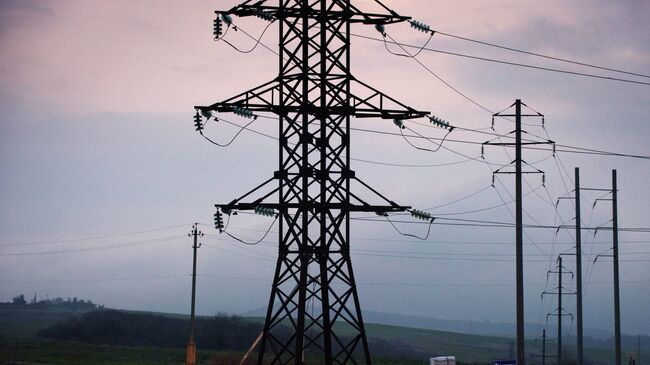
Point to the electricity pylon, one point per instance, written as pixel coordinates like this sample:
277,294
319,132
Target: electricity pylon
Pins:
315,96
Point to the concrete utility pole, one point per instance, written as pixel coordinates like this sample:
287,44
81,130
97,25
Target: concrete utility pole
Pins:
614,255
519,233
559,315
190,354
544,347
578,254
638,349
521,354
543,354
559,311
617,298
578,267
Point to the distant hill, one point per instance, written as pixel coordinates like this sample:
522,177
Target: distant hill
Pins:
486,328
482,328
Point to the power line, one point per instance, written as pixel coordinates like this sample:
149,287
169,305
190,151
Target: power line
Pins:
443,81
409,234
95,248
240,254
256,242
504,203
232,139
542,55
435,256
572,149
486,59
481,258
377,239
124,278
460,199
439,145
178,276
92,238
496,224
509,63
360,159
414,165
257,40
580,150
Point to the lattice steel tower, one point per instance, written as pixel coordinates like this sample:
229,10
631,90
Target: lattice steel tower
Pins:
315,95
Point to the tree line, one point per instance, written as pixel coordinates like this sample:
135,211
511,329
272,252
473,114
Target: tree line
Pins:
112,327
220,332
71,304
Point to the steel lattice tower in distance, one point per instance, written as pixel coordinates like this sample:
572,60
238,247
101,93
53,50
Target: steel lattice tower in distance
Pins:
315,95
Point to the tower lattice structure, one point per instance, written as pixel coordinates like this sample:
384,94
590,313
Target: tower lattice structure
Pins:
315,96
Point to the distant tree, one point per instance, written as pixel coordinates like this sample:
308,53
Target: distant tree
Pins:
42,304
19,300
74,304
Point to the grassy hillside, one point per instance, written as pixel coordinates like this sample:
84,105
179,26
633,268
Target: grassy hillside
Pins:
468,348
27,322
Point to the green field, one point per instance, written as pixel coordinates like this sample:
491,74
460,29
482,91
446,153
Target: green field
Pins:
33,350
75,353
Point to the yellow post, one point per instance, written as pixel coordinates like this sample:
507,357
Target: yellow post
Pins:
190,353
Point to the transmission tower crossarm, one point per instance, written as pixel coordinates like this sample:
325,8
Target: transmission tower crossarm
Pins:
514,115
349,208
562,315
261,99
392,207
352,15
557,293
522,143
361,206
374,103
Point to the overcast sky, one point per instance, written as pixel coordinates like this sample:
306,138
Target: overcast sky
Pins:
97,141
